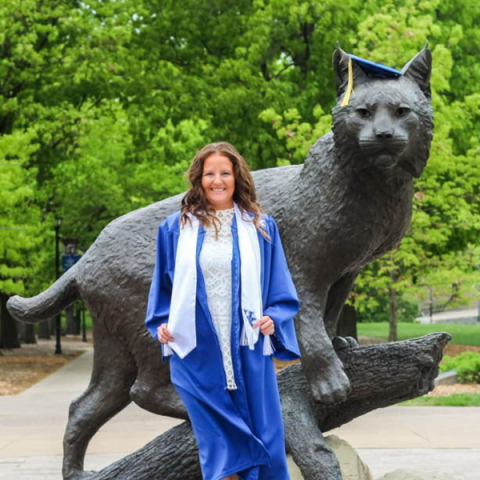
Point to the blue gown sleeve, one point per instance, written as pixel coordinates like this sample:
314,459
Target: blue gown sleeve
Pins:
158,307
282,300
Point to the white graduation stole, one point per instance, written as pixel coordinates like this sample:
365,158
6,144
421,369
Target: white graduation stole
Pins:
181,321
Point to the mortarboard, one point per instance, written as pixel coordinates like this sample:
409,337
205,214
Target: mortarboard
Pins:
371,69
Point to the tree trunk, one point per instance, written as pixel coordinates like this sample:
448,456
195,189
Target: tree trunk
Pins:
51,325
392,296
8,325
380,375
78,318
28,334
73,319
44,330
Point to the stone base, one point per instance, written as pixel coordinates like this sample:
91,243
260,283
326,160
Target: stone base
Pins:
353,468
405,474
351,464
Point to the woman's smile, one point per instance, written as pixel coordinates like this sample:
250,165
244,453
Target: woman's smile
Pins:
218,181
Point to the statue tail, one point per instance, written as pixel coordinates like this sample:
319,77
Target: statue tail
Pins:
47,304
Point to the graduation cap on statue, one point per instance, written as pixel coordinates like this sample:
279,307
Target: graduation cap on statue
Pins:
371,69
351,69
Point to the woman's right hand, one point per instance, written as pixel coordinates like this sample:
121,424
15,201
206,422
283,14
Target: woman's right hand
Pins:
163,334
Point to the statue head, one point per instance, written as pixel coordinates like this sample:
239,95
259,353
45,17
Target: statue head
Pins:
387,123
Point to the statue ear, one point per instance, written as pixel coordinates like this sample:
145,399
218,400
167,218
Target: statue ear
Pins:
340,70
419,69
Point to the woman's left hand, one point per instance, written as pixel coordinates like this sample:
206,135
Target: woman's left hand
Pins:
266,324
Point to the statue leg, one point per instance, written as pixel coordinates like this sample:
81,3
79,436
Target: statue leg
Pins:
320,363
337,295
152,395
114,372
305,441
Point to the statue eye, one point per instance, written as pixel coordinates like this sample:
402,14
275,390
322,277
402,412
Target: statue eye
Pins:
402,111
363,112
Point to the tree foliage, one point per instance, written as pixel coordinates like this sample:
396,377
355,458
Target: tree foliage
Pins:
104,104
446,220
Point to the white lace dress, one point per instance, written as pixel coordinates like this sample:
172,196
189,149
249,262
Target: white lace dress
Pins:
215,261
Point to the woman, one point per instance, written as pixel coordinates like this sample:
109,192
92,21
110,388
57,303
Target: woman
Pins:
221,301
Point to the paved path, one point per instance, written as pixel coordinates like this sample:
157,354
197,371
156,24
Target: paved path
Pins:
445,439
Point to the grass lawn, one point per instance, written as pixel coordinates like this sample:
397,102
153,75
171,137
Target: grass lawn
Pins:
461,334
455,400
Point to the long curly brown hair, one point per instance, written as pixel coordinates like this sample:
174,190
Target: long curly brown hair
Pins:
245,195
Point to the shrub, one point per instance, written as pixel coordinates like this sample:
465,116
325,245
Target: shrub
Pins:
467,366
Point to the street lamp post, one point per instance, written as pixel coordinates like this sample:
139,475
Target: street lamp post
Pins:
58,223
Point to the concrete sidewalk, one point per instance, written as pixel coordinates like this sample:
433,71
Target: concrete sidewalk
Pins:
443,439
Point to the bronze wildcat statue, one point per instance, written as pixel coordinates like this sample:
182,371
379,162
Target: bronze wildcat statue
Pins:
350,203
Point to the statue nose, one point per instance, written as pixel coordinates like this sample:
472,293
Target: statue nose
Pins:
384,133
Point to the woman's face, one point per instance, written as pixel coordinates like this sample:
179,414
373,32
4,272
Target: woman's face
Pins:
218,181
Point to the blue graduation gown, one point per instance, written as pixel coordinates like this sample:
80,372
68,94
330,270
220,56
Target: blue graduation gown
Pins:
237,431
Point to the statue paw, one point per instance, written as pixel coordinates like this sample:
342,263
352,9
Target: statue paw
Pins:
79,474
352,341
341,343
331,385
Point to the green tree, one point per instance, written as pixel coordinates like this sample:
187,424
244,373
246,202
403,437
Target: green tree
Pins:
120,95
446,217
446,204
19,225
